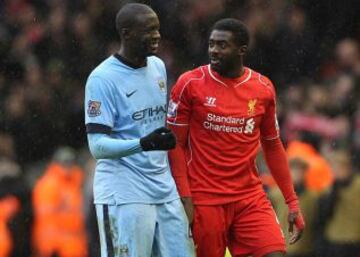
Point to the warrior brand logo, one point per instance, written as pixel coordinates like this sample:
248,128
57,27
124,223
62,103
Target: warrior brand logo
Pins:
210,101
152,112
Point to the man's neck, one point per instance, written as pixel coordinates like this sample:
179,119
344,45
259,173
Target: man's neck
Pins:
234,73
132,58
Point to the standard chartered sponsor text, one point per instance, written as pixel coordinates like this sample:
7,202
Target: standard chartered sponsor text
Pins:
224,119
228,123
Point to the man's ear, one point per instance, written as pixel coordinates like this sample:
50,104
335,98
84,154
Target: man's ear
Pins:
243,50
125,33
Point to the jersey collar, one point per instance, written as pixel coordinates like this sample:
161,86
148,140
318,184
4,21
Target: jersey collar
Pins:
127,62
230,82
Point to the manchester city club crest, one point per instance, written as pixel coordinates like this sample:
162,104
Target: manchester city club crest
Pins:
162,85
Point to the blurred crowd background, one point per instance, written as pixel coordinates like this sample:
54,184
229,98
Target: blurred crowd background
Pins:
310,50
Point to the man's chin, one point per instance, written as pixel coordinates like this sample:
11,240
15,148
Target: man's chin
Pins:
152,51
216,68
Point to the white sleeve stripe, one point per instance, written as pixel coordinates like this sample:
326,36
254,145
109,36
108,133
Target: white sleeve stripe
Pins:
177,124
248,77
214,78
191,155
270,138
261,81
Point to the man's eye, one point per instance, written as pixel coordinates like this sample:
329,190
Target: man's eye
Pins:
223,45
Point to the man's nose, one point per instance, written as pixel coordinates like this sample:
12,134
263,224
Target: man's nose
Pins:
214,49
156,35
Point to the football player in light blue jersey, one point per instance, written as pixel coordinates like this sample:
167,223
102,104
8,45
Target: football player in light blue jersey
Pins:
138,208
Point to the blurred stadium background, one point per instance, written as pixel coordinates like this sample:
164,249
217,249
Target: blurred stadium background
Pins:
310,49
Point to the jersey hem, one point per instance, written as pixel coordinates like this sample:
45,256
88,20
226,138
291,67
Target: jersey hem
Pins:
114,202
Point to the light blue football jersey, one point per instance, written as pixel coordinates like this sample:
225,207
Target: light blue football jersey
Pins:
132,102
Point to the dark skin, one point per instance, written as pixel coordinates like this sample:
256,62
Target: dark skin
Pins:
226,58
141,39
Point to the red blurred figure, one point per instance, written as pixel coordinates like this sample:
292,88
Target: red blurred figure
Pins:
59,224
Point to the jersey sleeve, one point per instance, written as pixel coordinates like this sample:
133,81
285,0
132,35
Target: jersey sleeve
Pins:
99,106
269,125
179,108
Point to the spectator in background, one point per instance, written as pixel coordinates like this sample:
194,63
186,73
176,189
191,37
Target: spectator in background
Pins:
15,212
338,221
308,203
15,204
59,223
318,175
295,34
348,56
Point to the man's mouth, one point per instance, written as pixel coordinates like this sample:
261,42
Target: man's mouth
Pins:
154,45
215,61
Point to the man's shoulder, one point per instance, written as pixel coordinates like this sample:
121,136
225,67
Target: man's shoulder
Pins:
263,83
192,75
259,77
155,59
107,72
103,69
157,62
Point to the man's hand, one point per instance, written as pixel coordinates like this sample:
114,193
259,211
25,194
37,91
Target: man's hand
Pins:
189,208
296,223
160,139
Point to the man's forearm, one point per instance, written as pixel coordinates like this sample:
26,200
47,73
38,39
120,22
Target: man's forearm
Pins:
102,146
276,160
178,161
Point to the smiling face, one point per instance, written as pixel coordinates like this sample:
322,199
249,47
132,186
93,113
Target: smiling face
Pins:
144,36
225,55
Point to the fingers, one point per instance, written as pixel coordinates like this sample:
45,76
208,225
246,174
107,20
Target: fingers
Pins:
299,222
295,236
296,227
160,139
291,220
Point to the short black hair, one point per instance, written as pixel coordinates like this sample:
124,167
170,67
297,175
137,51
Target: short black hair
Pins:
126,16
238,28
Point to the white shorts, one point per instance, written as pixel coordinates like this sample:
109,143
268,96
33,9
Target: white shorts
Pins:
144,230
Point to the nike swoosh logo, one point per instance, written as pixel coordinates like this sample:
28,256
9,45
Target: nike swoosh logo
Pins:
131,93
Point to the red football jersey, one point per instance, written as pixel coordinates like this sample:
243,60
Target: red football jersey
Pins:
226,119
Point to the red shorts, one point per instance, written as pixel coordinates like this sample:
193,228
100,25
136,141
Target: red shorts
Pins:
248,228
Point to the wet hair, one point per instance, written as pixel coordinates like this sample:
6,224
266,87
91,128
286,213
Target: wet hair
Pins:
236,27
126,16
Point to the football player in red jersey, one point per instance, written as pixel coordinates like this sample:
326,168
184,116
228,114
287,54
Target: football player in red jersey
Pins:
221,113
